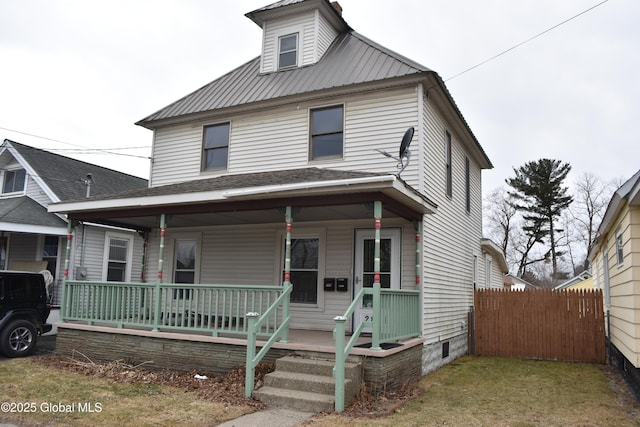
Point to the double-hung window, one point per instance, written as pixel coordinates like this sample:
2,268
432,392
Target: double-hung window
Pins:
117,259
185,265
327,132
14,181
288,51
619,247
215,146
448,171
304,270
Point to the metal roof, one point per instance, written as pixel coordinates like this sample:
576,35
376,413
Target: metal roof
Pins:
64,175
352,59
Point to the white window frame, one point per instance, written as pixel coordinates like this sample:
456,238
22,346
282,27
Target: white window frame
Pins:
619,247
306,233
281,36
108,235
186,236
4,178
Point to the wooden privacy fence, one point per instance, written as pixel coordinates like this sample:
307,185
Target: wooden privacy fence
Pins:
540,324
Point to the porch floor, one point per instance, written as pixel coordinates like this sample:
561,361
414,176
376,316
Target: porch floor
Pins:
299,339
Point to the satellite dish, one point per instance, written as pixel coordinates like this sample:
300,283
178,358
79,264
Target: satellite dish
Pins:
405,153
406,140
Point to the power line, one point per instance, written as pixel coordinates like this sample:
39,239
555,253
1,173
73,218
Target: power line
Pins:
81,149
526,41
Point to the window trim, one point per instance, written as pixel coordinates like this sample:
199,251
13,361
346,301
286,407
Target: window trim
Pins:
619,244
4,180
108,235
279,52
306,233
311,135
448,164
203,156
467,183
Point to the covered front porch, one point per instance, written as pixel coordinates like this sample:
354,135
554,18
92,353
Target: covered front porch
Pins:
284,247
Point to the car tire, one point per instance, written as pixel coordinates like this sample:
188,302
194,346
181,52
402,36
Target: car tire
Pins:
18,339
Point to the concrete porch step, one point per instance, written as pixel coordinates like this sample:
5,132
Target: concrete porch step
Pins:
307,384
303,401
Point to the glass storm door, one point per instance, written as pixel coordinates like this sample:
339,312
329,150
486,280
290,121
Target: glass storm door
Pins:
364,267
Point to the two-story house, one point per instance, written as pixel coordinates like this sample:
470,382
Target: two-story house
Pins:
615,259
271,174
33,239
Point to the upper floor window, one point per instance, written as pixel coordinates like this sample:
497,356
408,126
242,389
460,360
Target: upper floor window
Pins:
14,181
216,146
448,176
288,51
467,183
619,247
327,132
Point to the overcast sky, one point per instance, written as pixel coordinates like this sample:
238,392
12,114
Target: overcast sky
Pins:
82,72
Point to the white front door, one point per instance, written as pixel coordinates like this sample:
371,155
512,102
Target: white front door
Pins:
364,271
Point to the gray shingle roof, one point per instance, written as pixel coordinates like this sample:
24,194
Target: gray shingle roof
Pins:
228,182
24,210
63,175
367,62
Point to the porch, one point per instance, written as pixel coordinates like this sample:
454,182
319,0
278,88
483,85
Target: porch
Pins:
246,321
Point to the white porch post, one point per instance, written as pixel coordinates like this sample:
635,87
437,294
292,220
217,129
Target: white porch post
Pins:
287,270
375,335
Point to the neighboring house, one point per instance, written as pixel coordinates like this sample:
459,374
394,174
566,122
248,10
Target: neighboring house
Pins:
33,239
615,259
495,265
582,281
279,156
515,283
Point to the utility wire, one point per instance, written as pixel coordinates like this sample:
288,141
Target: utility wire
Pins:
81,149
526,41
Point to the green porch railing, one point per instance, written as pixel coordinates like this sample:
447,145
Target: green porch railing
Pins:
396,316
214,309
256,324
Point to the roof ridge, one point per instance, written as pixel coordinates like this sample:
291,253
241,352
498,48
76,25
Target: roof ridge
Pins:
20,146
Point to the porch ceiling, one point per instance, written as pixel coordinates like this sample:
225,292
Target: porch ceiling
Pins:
256,212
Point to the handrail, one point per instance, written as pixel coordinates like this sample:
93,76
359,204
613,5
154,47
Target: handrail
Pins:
396,315
255,323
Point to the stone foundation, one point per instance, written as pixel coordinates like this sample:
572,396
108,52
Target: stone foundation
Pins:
432,354
387,372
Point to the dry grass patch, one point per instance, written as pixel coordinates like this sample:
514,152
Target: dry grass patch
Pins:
483,391
117,395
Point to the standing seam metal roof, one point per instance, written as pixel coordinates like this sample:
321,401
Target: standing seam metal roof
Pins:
368,62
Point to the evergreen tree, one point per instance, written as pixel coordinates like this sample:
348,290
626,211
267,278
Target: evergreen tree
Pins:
539,193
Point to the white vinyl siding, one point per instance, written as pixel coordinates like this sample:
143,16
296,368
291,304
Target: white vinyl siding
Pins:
35,192
451,236
94,252
252,255
326,35
277,139
303,25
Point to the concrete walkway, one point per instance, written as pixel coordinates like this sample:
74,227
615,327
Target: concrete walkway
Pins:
269,417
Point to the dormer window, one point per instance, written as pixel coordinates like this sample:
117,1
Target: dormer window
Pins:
14,181
288,51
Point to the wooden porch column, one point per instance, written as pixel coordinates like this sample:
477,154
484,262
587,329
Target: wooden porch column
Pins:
418,227
375,335
67,261
157,297
287,270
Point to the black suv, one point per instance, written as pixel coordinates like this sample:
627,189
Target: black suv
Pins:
24,308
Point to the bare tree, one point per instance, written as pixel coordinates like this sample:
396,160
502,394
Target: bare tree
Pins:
500,217
591,198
